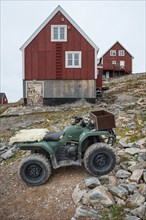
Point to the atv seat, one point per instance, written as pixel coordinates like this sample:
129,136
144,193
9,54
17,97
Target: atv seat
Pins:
55,136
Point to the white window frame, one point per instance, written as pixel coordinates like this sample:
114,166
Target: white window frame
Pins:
73,53
114,62
121,53
52,33
122,63
113,53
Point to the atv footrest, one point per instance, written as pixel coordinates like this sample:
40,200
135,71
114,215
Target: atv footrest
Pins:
63,163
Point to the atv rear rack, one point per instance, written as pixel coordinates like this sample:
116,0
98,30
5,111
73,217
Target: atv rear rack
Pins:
103,120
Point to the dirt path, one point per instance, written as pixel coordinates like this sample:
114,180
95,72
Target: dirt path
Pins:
51,201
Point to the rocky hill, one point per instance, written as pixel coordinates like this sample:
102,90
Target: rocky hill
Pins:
72,193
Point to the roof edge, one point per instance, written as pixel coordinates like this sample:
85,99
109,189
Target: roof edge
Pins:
58,8
113,45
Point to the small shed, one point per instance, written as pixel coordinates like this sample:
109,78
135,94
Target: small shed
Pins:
3,98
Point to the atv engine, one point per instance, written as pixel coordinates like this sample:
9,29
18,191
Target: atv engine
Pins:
68,151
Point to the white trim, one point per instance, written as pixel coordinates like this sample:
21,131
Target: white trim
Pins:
65,33
73,53
31,81
100,67
121,53
23,65
121,46
113,53
122,63
59,8
96,71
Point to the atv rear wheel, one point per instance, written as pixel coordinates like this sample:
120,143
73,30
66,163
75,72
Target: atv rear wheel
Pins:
35,169
99,159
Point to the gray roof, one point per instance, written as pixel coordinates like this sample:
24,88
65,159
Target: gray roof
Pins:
2,94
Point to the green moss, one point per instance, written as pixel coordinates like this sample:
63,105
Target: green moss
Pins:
115,212
125,158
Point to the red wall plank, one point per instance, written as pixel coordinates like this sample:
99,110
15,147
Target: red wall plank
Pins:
34,65
28,65
42,40
42,65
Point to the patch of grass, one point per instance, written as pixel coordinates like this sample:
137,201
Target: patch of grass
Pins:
135,137
115,212
125,158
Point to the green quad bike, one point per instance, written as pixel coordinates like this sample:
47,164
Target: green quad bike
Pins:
88,142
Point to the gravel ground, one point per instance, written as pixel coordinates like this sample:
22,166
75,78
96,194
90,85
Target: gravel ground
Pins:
50,201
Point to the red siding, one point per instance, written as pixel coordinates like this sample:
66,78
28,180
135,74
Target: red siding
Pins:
40,54
3,100
99,79
107,60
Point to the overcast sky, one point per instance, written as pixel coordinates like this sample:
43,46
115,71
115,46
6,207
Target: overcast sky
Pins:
104,22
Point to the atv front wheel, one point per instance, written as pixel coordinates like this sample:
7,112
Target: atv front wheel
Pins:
99,159
35,169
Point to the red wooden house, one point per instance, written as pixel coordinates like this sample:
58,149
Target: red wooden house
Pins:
3,98
59,62
116,61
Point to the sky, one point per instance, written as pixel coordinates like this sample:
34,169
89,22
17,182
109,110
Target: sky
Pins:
105,22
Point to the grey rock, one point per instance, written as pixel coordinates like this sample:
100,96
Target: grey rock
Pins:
113,180
119,191
136,200
104,179
133,144
98,195
1,159
2,148
136,166
9,153
131,217
81,211
132,126
5,145
122,174
140,211
142,155
141,142
77,194
130,187
118,159
92,182
136,175
144,176
122,144
142,189
132,151
119,201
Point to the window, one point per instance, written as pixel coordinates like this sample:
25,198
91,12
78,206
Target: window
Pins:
112,52
122,64
58,33
114,62
73,59
121,52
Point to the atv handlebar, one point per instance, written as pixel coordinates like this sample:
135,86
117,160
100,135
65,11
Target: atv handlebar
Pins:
77,119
